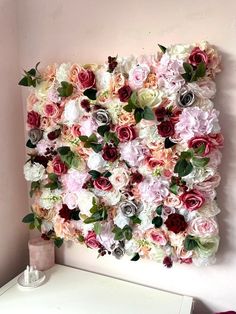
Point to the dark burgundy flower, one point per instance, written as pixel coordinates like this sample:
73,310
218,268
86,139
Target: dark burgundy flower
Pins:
44,236
136,177
85,104
167,261
197,56
166,129
86,78
54,134
103,184
112,63
125,133
176,223
109,153
192,199
33,119
59,167
124,93
160,113
65,212
42,160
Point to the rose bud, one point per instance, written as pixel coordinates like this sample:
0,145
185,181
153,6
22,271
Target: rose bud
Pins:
54,134
128,208
166,129
102,117
125,133
103,184
109,153
192,200
124,93
176,223
197,56
33,119
35,135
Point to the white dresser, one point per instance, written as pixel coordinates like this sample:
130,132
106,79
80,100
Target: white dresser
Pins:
73,291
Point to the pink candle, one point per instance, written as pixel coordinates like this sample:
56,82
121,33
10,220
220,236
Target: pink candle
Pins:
41,253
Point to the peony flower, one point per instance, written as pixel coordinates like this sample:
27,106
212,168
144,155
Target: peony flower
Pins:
137,75
154,190
71,112
95,161
85,201
62,72
33,119
106,237
203,227
71,200
103,79
125,133
119,178
34,171
195,122
87,125
176,223
132,152
156,236
192,199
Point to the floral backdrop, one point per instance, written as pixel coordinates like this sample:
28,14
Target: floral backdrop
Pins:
123,156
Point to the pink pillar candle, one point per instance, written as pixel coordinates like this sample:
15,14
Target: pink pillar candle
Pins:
41,253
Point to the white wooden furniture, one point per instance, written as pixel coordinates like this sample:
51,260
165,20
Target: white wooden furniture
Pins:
73,291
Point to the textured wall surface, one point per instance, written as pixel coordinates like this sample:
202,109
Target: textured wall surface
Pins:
13,197
90,30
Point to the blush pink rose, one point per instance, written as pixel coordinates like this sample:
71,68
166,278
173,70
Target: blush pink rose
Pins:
75,130
157,236
137,75
51,111
125,133
86,79
192,200
91,240
203,227
197,56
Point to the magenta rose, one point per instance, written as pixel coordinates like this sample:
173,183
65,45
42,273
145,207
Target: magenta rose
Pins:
103,184
166,129
197,56
198,141
124,93
125,133
59,167
192,200
91,240
109,153
86,78
176,223
33,119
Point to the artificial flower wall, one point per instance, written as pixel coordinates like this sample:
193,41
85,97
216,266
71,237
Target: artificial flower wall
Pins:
123,156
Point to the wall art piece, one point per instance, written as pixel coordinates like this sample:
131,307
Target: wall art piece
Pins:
123,156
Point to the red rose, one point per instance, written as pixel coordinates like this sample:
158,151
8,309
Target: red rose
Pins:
176,223
166,129
197,56
86,79
198,141
109,153
124,93
103,184
136,177
85,104
125,133
33,119
65,212
160,113
91,240
192,199
59,167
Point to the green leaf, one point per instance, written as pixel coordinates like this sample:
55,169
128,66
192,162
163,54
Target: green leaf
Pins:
148,114
201,70
24,81
92,138
186,154
157,221
200,150
52,185
80,238
65,90
188,68
96,147
106,174
159,209
83,138
138,114
35,185
64,150
103,129
29,218
118,233
190,243
135,258
168,143
58,242
200,162
135,219
31,72
94,174
29,144
52,177
111,137
90,93
75,215
128,234
133,99
163,49
187,77
174,188
183,167
97,227
128,108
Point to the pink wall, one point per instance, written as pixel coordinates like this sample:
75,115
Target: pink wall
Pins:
13,197
90,30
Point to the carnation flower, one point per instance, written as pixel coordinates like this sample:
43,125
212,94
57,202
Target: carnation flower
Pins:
154,190
34,171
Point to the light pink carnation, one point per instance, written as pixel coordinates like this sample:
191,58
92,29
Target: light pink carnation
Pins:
154,190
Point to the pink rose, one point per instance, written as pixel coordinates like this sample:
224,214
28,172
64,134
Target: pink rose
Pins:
103,184
217,140
198,141
125,133
197,56
33,119
51,111
137,75
91,240
59,167
86,79
157,236
75,130
203,227
192,199
153,162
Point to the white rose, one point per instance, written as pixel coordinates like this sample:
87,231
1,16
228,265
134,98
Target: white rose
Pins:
34,172
103,79
149,97
41,90
71,200
85,201
71,112
119,178
95,161
112,198
62,72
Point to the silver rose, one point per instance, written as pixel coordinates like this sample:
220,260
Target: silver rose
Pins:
185,98
128,208
118,251
102,117
35,135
